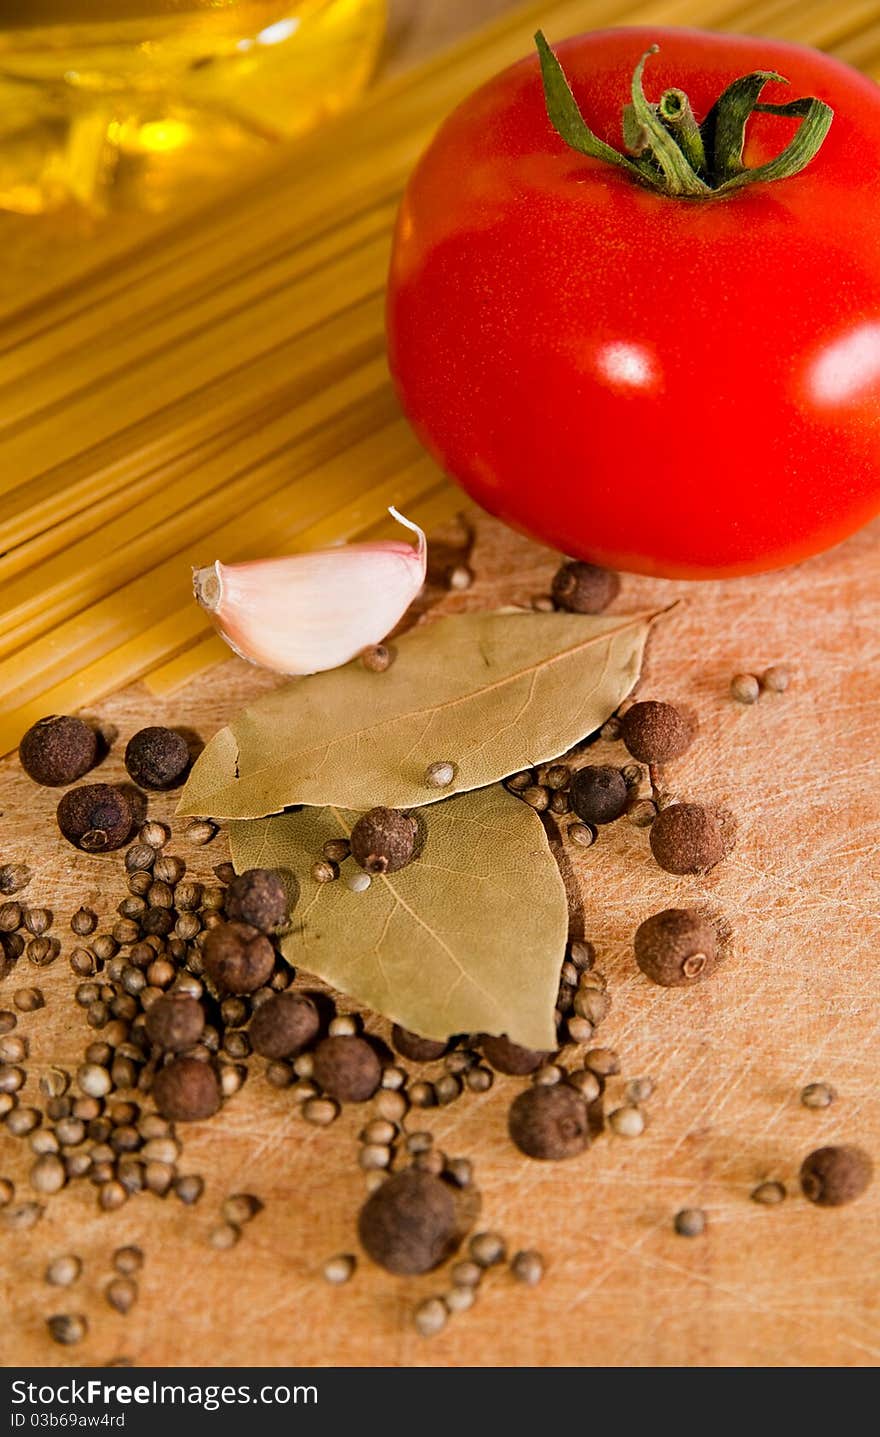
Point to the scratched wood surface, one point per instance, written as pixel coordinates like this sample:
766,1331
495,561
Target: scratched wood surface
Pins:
796,1001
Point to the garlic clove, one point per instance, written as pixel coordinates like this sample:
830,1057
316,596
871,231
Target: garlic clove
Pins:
305,613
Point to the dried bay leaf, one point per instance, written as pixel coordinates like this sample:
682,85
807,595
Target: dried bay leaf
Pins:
470,937
493,693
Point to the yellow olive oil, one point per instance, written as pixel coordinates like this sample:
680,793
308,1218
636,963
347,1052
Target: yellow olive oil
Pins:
128,103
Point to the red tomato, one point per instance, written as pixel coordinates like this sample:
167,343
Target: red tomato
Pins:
684,387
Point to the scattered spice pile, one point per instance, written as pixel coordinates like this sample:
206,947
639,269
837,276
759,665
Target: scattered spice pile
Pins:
193,988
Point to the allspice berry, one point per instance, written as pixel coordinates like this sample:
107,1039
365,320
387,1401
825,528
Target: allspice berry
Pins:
676,947
416,1048
656,732
836,1175
258,897
58,750
599,793
347,1068
584,588
157,758
283,1025
507,1057
186,1090
238,957
96,817
382,841
550,1122
409,1224
687,838
175,1021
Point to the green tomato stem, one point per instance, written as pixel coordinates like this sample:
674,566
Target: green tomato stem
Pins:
668,150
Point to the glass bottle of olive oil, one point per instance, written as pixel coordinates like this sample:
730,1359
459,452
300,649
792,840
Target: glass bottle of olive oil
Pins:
127,103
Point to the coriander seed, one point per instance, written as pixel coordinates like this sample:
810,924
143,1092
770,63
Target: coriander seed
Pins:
391,1105
320,1111
200,832
14,877
537,797
67,1328
83,922
768,1193
745,689
338,1270
582,834
58,750
336,850
7,1191
377,658
28,1000
775,679
11,915
460,1299
817,1095
189,1188
527,1267
690,1222
430,1317
224,1237
627,1122
586,1083
323,871
48,1174
466,1274
441,774
832,1176
63,1271
478,1079
518,782
487,1249
121,1293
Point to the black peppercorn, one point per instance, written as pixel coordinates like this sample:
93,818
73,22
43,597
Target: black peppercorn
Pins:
157,758
417,1049
238,957
96,817
283,1025
599,794
382,841
687,838
409,1224
175,1021
507,1057
656,732
58,750
186,1090
584,588
258,897
835,1175
347,1068
676,947
550,1122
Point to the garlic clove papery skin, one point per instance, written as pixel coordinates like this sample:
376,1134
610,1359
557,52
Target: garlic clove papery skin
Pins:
305,613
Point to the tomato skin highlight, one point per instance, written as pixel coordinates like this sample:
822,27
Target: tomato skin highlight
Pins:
681,387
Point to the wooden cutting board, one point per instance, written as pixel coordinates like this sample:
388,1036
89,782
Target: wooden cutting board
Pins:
795,1003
